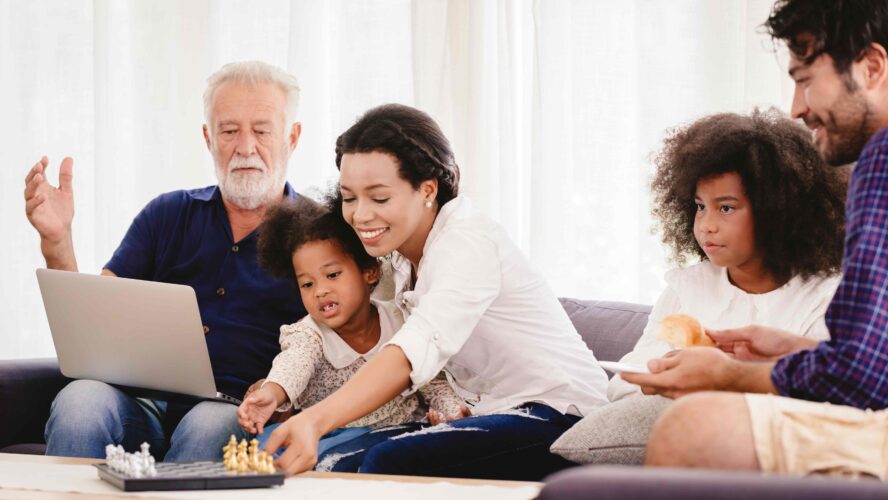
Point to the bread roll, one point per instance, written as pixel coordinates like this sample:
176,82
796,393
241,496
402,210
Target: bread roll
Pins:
681,330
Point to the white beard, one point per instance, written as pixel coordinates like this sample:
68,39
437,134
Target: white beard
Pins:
249,189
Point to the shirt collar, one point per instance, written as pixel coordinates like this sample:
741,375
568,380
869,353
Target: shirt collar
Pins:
208,193
453,209
339,353
764,302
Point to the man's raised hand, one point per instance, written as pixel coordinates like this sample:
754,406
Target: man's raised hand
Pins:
50,209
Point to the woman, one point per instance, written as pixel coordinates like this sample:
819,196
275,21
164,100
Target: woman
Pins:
474,307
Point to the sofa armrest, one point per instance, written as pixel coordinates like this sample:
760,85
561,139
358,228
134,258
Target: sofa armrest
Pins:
27,388
610,482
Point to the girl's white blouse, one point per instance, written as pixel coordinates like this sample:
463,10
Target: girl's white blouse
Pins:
705,292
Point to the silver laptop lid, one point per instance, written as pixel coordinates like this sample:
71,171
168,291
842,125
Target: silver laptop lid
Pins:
127,332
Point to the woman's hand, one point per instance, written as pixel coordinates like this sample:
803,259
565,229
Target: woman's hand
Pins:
437,417
300,434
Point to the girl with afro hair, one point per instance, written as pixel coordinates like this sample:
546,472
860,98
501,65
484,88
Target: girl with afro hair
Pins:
751,200
748,198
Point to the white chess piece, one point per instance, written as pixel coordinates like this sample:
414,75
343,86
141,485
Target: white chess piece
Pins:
143,457
116,457
138,464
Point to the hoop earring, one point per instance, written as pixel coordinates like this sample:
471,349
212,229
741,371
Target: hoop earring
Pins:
428,204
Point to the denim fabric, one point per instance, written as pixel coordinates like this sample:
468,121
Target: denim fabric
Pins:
348,456
329,440
509,445
88,415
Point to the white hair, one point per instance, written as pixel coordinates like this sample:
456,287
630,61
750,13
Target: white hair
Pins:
253,73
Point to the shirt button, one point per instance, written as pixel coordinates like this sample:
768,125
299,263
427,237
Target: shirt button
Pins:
220,291
206,329
235,249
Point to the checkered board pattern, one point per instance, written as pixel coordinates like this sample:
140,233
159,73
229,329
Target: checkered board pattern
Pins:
190,476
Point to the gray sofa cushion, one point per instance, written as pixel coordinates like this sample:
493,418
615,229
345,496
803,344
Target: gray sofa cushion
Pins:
616,433
610,329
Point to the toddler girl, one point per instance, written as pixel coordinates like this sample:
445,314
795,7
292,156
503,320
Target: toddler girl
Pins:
344,327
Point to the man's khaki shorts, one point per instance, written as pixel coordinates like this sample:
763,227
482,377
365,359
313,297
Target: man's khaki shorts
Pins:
800,437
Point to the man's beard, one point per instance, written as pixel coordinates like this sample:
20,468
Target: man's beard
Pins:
245,188
849,125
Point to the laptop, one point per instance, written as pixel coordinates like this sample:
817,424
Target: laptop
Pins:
144,336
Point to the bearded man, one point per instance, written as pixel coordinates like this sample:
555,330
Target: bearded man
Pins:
787,404
204,238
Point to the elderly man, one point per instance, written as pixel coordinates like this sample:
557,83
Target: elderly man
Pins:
809,407
204,238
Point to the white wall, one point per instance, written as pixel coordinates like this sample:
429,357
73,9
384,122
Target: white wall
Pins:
554,108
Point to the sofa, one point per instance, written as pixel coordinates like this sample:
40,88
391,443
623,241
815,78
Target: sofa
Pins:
610,329
27,388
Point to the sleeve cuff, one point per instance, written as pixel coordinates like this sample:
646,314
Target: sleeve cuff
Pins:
422,353
289,404
779,378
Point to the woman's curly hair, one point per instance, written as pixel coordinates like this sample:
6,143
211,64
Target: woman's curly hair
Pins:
797,199
291,224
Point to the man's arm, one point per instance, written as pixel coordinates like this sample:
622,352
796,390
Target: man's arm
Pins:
759,343
752,353
849,369
702,369
50,210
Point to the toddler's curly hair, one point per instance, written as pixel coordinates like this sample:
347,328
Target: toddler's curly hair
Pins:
291,224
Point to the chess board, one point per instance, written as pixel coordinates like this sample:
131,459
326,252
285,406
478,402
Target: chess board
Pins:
190,476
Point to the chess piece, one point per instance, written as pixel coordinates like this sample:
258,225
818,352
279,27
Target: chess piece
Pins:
136,465
231,447
242,457
229,454
252,454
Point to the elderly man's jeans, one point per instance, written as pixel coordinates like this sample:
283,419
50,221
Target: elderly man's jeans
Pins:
88,415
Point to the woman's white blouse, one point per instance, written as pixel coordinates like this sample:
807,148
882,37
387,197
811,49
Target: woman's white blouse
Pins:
481,313
705,292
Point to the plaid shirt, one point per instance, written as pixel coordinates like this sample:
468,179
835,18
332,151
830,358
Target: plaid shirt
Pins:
852,368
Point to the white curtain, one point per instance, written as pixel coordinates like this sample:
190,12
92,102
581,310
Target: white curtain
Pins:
554,108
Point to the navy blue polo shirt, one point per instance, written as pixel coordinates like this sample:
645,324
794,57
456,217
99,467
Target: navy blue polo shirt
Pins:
185,237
